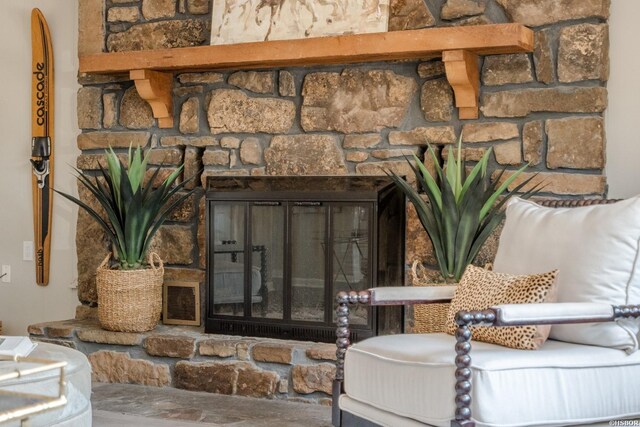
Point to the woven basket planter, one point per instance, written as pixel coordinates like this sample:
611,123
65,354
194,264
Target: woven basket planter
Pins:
428,318
130,300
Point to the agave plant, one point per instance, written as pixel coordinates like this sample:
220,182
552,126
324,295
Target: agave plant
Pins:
134,211
462,210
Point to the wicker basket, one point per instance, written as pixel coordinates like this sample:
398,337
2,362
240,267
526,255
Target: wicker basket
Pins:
130,300
428,318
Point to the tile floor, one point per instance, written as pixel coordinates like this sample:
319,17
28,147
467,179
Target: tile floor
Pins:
122,405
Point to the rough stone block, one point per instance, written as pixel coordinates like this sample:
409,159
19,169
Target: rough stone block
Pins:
361,140
251,151
409,15
322,352
185,211
85,312
116,367
233,111
175,244
508,153
198,7
541,12
159,35
218,348
436,100
272,352
356,156
431,69
91,26
253,382
94,161
577,143
170,346
135,112
103,140
155,9
532,142
193,141
521,102
210,377
109,118
200,78
454,9
543,57
355,100
190,116
388,154
101,336
166,156
506,69
90,108
583,53
304,155
229,142
123,14
192,166
423,136
562,184
286,84
254,81
485,132
400,167
213,157
311,378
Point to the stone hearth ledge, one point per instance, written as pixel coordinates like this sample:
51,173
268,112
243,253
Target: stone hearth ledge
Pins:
187,358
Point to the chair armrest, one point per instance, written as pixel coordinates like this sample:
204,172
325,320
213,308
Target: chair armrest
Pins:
398,295
407,295
552,313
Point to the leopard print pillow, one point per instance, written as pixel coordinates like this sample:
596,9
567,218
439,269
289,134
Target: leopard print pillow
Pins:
480,289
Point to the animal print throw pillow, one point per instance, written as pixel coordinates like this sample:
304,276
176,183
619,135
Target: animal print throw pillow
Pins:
480,289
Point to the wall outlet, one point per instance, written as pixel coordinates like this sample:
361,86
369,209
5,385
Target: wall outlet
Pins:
27,250
6,274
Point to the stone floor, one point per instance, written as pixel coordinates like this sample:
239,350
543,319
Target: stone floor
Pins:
121,405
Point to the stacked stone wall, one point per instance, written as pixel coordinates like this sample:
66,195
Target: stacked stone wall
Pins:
544,108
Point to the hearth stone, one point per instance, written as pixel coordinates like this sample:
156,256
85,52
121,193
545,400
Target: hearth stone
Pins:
169,356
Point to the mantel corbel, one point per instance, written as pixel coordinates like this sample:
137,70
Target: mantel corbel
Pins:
461,67
156,88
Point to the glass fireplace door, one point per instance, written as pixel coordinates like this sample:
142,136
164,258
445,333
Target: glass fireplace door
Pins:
350,252
228,233
308,269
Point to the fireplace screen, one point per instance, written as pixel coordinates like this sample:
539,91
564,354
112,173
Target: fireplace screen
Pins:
281,248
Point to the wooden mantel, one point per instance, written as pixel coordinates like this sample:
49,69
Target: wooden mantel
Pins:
458,46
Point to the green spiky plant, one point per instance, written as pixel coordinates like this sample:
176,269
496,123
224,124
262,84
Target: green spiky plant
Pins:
462,210
133,211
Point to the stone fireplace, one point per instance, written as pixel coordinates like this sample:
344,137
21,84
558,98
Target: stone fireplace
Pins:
544,108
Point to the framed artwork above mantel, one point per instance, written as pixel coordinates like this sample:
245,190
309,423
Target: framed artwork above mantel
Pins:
240,21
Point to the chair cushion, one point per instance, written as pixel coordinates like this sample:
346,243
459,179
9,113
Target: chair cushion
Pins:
595,249
479,289
560,384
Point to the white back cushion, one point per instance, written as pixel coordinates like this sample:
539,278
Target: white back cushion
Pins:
595,249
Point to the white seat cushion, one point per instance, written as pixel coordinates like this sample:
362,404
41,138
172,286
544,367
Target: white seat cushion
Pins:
595,250
561,384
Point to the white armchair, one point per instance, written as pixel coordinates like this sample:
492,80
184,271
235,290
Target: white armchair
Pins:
437,379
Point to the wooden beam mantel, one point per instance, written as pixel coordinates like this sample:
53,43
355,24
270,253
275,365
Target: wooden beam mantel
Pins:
447,42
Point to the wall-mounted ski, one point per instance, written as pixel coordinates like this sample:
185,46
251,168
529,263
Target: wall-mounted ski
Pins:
42,142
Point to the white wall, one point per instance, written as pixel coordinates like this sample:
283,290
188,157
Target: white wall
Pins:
22,302
623,114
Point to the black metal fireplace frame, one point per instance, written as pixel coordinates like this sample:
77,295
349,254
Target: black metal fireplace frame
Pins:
342,192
